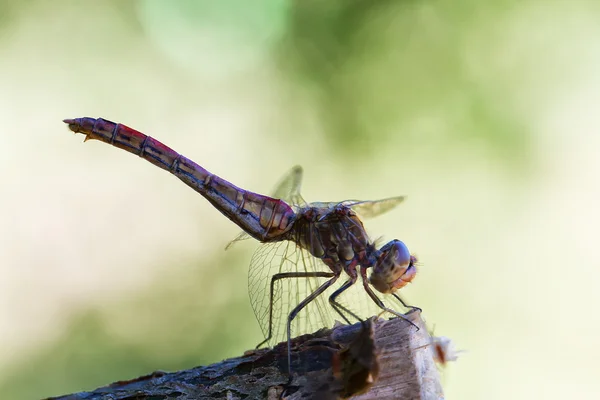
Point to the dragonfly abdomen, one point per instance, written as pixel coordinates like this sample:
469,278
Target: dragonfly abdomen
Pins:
263,217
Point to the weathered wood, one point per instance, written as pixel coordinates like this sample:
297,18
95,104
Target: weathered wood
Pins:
385,359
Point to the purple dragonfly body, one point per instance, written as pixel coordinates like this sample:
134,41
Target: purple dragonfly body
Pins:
306,247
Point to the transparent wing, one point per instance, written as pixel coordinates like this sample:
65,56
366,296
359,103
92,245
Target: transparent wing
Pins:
241,236
273,258
288,190
373,208
364,208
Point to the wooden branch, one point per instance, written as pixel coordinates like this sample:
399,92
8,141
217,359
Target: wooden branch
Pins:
381,359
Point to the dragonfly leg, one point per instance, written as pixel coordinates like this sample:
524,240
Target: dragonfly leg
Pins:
406,305
338,307
303,304
377,300
287,275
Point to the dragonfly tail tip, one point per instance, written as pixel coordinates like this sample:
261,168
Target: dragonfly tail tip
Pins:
73,124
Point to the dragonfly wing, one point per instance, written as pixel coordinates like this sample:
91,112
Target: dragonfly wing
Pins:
364,208
289,186
280,257
241,236
273,258
288,190
373,208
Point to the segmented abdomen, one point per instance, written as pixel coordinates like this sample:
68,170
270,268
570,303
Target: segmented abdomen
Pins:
263,217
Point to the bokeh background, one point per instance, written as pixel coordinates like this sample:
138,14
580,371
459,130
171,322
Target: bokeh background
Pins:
486,114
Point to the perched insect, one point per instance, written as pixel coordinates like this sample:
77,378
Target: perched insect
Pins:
306,247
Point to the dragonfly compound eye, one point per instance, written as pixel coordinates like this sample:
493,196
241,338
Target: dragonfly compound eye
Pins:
394,268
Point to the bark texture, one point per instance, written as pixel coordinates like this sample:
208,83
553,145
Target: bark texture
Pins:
378,359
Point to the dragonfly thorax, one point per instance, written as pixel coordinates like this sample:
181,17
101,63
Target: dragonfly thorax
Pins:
335,235
394,268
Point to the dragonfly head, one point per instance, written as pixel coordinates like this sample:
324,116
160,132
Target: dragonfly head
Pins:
394,268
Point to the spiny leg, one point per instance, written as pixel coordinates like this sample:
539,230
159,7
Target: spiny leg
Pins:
377,300
406,305
338,307
285,275
299,308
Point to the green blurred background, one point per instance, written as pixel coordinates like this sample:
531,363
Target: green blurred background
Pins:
484,113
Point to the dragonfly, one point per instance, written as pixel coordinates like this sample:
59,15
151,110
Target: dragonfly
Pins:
305,248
